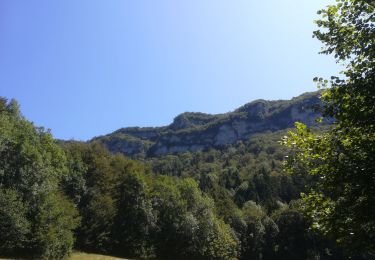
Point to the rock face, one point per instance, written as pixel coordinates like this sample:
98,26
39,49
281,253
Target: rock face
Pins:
199,131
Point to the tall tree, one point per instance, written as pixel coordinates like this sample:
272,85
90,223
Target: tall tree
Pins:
341,203
35,217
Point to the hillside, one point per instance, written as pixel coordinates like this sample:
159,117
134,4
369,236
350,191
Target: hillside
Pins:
234,202
198,131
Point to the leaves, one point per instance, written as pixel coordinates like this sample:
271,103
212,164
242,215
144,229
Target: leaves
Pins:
341,200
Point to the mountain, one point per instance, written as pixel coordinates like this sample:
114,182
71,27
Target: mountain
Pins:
199,131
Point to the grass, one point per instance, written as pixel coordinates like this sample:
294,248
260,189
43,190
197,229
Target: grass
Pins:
80,256
86,256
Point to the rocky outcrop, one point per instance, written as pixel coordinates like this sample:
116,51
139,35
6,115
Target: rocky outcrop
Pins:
199,131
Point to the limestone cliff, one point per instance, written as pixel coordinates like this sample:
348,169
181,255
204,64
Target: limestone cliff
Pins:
199,131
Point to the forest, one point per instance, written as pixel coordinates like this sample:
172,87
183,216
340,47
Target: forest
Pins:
217,204
298,193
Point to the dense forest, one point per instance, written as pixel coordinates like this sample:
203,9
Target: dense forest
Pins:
301,193
216,204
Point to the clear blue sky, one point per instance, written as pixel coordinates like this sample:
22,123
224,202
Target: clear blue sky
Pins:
88,67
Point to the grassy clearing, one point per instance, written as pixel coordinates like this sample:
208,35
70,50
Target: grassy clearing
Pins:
85,256
80,256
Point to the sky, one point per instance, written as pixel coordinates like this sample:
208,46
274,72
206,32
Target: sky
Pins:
86,68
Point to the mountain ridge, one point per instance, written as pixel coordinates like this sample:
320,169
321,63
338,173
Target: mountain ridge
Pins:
195,131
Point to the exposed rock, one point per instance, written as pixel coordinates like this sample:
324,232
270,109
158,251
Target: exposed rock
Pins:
241,128
199,131
225,135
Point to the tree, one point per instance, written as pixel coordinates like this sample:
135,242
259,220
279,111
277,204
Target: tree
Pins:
14,226
187,226
342,160
39,220
91,184
53,227
95,232
292,239
253,241
134,220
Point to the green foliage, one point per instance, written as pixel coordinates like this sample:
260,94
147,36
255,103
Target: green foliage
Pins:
229,203
129,212
14,226
249,170
342,159
253,241
205,205
221,243
31,167
94,234
30,160
87,184
54,222
135,220
292,237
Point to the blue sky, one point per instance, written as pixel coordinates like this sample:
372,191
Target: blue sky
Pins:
86,68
